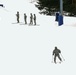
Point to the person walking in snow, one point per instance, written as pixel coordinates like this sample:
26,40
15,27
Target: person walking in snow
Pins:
31,18
34,19
25,18
56,53
17,15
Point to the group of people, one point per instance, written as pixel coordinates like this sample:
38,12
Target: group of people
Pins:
32,18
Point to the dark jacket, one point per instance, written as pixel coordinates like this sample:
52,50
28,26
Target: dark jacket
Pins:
56,52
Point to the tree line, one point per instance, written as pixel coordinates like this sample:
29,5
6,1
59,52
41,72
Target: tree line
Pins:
48,7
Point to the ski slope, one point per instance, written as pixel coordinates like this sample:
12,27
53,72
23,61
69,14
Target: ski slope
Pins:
27,50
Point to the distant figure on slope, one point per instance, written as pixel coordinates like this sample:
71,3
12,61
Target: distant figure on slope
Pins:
31,18
17,15
56,53
25,18
34,19
1,5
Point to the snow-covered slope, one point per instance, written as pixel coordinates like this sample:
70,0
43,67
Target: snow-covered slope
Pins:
27,50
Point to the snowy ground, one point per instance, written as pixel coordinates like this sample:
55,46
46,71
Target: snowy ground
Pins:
27,50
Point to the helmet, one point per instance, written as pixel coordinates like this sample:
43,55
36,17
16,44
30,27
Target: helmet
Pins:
55,47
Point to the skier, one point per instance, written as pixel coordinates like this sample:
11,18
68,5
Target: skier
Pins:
31,18
34,19
25,18
17,15
56,53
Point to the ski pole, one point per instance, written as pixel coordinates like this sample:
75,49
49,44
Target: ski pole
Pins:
52,58
62,57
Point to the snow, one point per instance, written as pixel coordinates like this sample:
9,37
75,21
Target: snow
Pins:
27,50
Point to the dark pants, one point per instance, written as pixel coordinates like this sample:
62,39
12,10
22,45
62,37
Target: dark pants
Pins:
35,22
58,57
31,22
17,20
25,22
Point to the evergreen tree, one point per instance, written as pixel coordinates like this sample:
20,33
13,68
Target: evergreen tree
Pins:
69,6
49,6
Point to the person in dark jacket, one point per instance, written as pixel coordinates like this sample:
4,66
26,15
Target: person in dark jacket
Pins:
56,53
18,16
31,18
25,18
34,19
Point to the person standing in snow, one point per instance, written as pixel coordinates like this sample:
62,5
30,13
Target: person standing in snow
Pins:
31,18
25,18
17,15
34,19
56,53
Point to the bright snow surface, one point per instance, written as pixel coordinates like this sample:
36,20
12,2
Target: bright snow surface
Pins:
27,50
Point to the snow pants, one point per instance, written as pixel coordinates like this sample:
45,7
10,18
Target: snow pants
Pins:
58,57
